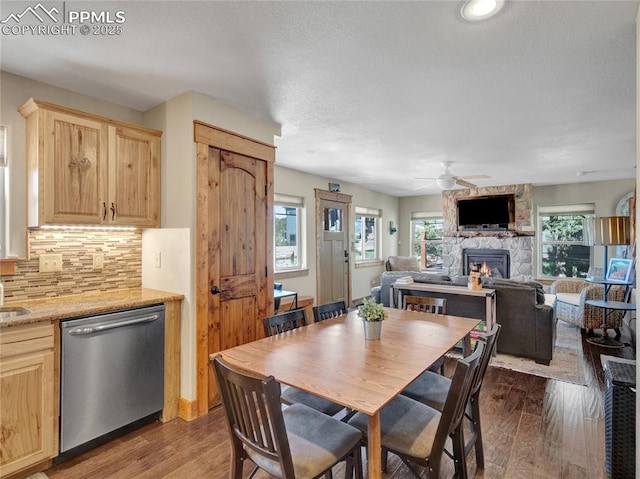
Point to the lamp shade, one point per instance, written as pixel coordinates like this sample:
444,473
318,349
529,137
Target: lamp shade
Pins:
613,230
445,182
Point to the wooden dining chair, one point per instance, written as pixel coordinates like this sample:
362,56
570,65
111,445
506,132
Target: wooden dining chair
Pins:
432,389
284,322
329,310
289,443
418,433
427,305
279,323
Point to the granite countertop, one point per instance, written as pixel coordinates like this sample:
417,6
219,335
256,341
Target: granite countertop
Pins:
84,304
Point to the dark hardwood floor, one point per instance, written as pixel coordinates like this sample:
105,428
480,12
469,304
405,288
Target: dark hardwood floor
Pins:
533,428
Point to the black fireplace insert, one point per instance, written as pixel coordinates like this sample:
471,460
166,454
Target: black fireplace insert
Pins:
490,261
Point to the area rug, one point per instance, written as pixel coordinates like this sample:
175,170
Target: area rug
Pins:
566,365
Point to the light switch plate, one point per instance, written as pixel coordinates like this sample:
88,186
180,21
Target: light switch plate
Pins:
50,262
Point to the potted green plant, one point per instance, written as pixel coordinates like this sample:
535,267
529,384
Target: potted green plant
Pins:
372,315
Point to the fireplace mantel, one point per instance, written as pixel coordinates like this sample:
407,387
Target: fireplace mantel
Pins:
495,234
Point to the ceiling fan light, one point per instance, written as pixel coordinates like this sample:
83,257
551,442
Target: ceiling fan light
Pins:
445,182
475,10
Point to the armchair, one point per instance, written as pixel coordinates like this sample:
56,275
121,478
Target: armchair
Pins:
571,295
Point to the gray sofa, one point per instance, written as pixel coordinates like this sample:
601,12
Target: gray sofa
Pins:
526,314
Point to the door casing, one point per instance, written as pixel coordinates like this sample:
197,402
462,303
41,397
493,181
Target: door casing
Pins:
208,240
321,197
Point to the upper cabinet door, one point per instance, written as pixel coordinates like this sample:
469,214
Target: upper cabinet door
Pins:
84,169
134,177
73,170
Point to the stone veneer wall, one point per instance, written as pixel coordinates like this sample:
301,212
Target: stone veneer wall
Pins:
518,239
122,252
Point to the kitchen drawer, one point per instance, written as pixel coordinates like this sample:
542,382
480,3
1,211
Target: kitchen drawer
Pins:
25,339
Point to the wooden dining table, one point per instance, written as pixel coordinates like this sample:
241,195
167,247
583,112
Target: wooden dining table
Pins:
333,360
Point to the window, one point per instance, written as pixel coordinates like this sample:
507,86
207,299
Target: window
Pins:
561,251
288,214
366,233
426,238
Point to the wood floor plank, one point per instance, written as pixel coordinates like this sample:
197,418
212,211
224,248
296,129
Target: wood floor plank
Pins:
523,453
549,459
595,443
573,440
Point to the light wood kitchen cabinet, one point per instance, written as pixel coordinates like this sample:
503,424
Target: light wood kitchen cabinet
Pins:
90,170
28,425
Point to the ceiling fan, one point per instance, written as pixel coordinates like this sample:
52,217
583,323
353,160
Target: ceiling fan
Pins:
447,181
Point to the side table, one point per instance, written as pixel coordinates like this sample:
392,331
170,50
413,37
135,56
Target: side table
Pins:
609,307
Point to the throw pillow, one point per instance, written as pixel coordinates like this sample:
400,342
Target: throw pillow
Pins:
403,263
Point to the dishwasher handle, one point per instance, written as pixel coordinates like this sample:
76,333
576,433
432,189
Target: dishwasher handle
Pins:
113,325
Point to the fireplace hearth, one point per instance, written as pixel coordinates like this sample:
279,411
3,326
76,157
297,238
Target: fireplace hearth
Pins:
490,261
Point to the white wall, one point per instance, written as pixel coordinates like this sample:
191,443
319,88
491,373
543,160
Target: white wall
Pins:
178,205
292,182
173,274
408,205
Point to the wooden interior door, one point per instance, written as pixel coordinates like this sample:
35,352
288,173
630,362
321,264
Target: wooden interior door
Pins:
332,226
234,252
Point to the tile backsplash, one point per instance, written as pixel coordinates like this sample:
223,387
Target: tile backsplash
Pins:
122,269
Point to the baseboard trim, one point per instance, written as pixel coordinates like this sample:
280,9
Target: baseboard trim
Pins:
187,409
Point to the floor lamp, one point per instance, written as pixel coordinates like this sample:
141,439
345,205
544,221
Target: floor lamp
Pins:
610,231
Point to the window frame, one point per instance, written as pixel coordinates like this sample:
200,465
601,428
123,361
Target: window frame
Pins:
417,216
586,210
376,215
296,202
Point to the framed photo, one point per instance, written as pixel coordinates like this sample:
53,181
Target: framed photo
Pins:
619,270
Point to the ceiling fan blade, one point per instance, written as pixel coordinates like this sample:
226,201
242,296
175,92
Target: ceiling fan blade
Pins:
462,182
474,177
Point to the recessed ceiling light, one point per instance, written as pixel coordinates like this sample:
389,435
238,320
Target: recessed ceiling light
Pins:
475,10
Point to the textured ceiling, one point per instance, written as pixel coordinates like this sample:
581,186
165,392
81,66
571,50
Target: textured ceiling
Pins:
378,93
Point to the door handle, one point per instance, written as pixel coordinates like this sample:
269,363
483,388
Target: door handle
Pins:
114,325
216,290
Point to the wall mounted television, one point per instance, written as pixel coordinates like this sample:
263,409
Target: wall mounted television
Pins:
485,212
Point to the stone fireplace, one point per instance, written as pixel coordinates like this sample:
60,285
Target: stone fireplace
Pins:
517,241
490,262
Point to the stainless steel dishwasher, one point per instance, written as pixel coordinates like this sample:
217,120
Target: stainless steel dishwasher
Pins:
112,376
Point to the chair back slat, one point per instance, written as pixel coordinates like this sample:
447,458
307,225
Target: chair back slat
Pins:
286,321
254,416
329,310
457,397
490,339
425,304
